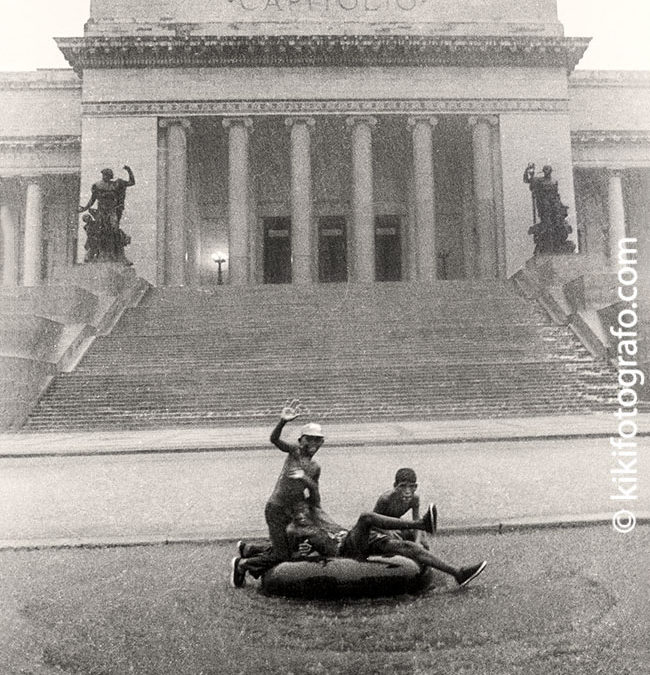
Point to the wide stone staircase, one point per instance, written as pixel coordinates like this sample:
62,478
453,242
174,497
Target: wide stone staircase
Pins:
391,351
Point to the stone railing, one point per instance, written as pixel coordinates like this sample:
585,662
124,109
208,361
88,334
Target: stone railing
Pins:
47,329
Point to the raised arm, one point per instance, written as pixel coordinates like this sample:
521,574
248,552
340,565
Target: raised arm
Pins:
277,441
289,412
131,182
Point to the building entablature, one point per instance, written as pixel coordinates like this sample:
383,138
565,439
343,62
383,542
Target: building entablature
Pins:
39,143
55,78
263,108
39,155
320,50
610,78
610,137
611,149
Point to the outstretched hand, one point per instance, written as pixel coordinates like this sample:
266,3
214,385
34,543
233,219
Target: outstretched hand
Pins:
291,410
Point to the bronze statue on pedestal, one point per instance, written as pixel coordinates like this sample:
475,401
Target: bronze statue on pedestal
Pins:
550,228
105,240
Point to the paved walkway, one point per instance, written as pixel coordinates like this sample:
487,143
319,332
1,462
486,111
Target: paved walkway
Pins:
139,487
341,435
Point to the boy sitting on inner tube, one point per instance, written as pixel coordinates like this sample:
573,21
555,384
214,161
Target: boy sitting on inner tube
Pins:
308,535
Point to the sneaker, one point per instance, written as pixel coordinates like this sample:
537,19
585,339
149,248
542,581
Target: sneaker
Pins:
430,519
237,574
241,546
466,574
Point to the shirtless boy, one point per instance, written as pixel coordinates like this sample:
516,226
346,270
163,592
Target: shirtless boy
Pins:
298,481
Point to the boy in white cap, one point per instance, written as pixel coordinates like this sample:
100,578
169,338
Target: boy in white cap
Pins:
298,482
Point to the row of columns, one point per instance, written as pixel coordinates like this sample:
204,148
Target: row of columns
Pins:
616,213
363,235
33,241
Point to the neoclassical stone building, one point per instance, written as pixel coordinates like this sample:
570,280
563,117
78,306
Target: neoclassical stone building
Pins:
313,141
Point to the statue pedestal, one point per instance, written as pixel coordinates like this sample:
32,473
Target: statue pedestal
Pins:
108,278
556,269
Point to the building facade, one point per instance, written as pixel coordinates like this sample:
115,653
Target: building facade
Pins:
316,141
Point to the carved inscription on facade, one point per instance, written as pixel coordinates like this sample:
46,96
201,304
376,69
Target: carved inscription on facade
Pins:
291,8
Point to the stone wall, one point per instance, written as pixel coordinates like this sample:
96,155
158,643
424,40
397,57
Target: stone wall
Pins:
477,17
41,103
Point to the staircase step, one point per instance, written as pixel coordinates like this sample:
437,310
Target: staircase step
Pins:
383,351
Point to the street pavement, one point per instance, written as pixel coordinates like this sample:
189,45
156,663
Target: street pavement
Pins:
212,484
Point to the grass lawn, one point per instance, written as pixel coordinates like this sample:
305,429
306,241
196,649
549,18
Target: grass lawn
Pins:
170,610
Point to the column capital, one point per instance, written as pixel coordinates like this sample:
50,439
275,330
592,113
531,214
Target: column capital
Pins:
414,120
368,120
166,122
246,122
490,120
307,121
614,172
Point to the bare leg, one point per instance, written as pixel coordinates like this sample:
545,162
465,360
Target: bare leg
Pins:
462,575
358,539
369,520
420,555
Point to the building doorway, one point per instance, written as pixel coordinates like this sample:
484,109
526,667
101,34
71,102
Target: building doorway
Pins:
277,250
388,248
332,249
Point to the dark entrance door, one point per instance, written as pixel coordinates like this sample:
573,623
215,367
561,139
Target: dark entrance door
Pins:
388,248
277,250
332,249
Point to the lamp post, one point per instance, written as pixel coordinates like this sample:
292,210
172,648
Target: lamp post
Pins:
219,258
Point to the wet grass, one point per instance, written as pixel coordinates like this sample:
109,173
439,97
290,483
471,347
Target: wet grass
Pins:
169,610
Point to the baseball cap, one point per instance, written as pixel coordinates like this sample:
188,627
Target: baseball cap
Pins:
312,429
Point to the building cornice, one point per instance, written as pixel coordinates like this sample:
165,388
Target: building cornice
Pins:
40,79
39,143
610,137
320,50
610,78
322,107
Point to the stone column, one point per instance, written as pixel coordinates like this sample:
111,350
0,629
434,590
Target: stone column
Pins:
9,262
484,194
301,199
425,206
238,185
33,234
616,213
161,207
362,199
176,189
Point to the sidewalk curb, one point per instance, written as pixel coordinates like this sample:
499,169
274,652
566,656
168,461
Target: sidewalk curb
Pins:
507,526
238,447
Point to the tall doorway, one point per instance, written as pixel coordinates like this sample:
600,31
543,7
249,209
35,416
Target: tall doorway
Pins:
277,250
388,248
332,249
